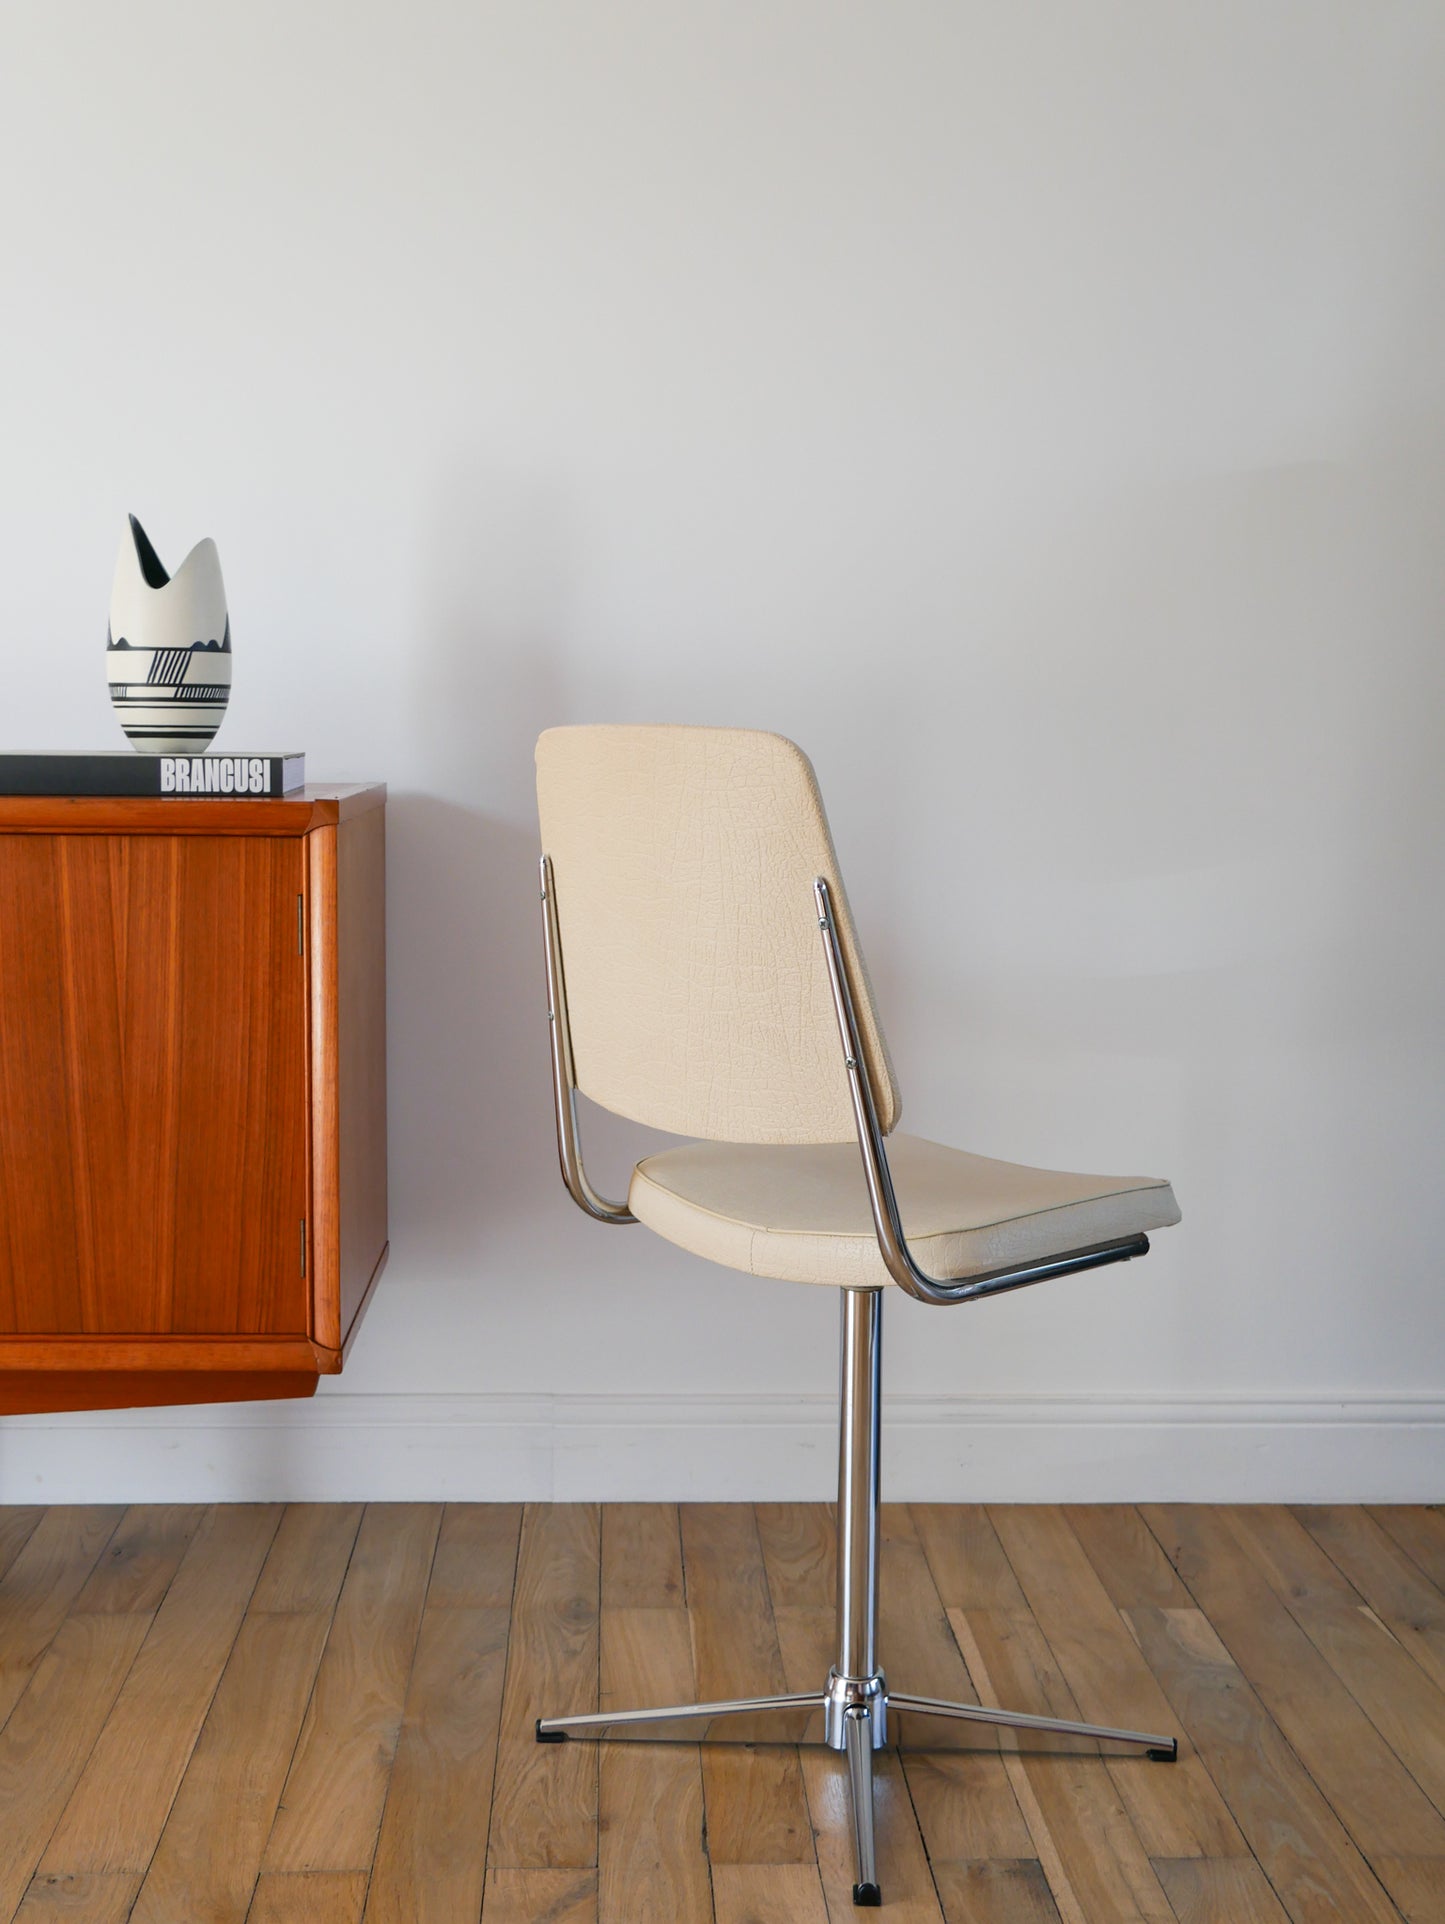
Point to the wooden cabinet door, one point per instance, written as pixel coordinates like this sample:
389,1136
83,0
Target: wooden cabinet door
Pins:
153,1097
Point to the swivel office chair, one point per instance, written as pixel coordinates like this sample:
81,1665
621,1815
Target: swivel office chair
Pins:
704,979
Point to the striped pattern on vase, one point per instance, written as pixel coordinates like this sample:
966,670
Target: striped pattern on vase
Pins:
168,648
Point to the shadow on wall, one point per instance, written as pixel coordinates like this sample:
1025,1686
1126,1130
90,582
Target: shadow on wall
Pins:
470,1106
471,1113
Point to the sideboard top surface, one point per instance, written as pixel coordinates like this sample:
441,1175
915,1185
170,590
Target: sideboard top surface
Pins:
318,805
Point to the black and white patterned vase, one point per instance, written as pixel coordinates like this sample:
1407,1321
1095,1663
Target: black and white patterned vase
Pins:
168,650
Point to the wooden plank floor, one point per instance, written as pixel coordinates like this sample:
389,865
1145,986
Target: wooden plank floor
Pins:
324,1715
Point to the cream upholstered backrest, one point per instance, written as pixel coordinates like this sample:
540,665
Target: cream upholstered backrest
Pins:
683,862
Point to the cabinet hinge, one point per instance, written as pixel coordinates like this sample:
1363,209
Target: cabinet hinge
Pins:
301,925
303,1248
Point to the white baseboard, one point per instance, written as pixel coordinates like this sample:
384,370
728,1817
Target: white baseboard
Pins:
487,1447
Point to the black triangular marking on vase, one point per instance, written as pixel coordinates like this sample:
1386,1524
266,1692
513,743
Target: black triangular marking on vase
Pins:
151,566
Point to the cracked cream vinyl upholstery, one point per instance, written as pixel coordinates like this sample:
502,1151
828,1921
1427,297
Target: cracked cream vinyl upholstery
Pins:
683,867
684,862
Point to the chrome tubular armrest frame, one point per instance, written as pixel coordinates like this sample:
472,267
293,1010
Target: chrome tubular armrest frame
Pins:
886,1220
564,1083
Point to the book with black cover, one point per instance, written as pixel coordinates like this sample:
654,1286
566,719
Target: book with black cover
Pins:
123,772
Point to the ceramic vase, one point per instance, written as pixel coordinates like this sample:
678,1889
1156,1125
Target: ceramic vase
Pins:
168,649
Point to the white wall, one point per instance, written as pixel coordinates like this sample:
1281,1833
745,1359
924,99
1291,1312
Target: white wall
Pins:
1039,412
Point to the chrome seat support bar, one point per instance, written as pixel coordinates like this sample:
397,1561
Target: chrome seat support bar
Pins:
564,1081
887,1222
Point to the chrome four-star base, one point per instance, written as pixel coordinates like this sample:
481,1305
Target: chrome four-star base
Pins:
855,1720
856,1699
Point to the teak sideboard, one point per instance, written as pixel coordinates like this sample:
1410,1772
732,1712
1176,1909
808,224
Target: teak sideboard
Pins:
192,1094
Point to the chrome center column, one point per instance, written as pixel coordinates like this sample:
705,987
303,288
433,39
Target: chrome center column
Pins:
855,1681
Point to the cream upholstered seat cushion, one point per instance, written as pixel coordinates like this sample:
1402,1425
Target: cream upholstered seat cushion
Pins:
801,1212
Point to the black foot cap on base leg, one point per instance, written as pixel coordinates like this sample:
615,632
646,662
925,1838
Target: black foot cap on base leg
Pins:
1163,1756
550,1736
868,1895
